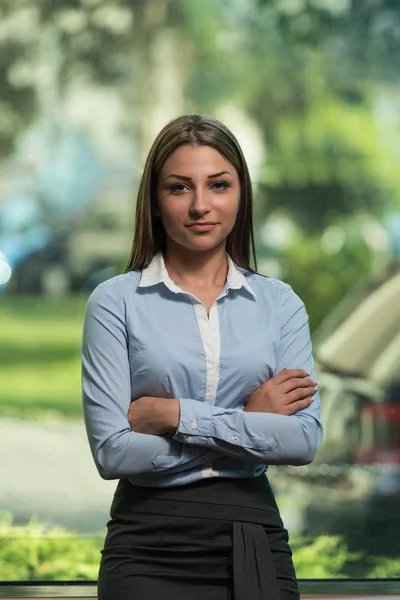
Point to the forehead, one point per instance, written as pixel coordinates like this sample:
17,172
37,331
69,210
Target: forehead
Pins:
196,159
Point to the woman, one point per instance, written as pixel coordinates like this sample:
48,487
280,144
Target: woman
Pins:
197,373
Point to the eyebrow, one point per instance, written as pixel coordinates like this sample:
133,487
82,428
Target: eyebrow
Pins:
185,178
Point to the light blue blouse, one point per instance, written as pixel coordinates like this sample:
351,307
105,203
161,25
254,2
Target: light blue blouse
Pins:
144,336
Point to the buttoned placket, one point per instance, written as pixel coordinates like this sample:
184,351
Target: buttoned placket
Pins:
210,335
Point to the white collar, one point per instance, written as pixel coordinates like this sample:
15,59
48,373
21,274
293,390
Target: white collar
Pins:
156,272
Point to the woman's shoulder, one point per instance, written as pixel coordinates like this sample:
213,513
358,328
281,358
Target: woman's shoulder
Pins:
264,282
278,292
116,287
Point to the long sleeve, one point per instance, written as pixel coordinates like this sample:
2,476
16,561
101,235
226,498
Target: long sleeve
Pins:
264,438
106,394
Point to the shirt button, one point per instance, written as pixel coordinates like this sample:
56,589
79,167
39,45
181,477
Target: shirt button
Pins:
189,439
235,438
194,425
194,451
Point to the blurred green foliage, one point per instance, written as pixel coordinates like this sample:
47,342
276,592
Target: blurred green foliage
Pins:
321,558
322,279
330,164
34,552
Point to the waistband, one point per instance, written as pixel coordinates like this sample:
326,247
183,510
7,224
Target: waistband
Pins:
248,503
249,500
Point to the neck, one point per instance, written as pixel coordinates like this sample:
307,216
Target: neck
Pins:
206,269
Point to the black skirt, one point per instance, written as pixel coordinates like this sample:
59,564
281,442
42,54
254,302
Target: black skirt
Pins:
215,539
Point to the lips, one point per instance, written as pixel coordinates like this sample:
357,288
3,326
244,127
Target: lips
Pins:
202,227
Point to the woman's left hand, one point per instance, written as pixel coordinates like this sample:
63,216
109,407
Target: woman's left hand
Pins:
155,416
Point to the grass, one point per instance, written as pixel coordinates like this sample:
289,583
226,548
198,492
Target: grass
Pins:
40,341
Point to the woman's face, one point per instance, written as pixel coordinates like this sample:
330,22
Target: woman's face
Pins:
197,185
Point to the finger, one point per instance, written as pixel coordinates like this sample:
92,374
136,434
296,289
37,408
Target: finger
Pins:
295,382
293,408
286,374
300,394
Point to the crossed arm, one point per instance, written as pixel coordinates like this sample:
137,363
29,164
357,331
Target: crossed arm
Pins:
279,425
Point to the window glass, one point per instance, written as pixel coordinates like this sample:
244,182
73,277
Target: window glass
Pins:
311,91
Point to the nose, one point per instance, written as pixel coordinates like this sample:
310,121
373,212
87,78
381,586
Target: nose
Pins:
200,203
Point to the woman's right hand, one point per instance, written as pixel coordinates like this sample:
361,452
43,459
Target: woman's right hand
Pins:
285,394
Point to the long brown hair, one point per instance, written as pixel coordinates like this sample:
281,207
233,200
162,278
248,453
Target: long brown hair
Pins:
194,130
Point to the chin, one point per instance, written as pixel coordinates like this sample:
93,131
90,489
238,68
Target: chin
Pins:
201,245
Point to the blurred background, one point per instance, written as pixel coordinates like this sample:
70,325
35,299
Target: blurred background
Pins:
311,90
